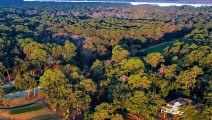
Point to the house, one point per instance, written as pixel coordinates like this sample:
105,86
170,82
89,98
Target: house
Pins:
173,107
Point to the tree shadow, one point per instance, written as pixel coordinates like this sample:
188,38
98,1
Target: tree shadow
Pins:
176,34
135,46
132,45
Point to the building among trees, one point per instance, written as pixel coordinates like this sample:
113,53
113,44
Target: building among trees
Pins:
174,107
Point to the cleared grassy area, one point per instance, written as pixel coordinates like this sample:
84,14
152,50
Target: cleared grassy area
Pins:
157,48
23,110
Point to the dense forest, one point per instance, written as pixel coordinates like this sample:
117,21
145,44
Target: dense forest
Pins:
89,59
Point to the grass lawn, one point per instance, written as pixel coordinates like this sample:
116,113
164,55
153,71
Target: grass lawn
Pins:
157,48
23,110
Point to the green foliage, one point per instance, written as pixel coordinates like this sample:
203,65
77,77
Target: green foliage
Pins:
163,86
119,54
90,58
133,64
55,86
2,67
205,113
170,71
106,111
25,82
192,114
154,59
69,50
97,70
206,61
208,93
1,92
139,81
188,78
51,77
144,105
88,86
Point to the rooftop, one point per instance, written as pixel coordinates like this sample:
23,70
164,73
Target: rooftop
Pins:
176,104
182,101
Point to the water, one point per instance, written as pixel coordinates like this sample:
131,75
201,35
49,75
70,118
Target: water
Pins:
163,4
18,95
9,84
168,4
21,93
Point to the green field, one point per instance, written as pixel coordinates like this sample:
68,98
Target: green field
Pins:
24,110
157,48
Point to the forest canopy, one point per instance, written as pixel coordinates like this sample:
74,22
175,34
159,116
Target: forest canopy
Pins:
89,58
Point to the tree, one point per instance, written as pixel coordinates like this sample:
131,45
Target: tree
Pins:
73,73
88,86
187,78
154,59
133,64
189,113
33,84
52,76
19,82
83,102
161,86
170,71
25,82
145,105
194,57
208,93
2,68
69,50
176,47
106,111
36,53
66,105
119,53
97,70
139,81
57,51
73,103
55,87
206,61
1,92
31,47
205,113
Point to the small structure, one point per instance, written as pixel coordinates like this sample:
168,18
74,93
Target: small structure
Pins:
174,106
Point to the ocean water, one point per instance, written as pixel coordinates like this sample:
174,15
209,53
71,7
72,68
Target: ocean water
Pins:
169,4
163,4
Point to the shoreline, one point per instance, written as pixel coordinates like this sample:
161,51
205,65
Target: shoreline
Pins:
162,4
